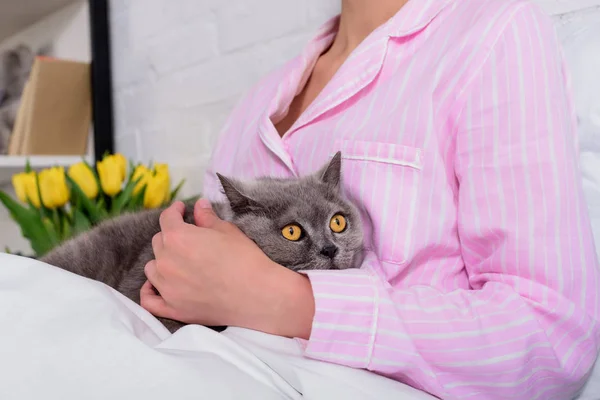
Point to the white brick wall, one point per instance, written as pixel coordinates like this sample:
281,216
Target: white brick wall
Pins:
180,66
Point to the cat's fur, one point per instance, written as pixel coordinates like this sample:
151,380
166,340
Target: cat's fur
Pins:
116,251
15,68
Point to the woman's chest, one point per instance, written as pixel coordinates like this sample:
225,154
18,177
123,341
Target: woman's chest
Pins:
397,153
393,164
396,166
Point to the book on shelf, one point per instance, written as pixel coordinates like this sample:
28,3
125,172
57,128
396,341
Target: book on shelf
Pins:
54,117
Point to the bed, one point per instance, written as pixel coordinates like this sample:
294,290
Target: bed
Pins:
66,337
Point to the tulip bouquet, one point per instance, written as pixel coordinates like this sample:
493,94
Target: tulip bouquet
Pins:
54,206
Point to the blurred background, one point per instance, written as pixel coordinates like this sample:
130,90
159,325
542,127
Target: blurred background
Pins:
153,80
179,66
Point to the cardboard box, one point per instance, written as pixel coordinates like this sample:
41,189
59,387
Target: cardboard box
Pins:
54,117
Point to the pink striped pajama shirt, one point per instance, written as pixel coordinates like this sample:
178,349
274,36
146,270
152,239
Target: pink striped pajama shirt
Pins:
459,145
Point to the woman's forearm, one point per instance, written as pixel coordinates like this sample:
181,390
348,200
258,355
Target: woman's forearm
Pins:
284,304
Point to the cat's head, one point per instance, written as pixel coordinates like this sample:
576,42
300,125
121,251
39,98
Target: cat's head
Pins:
302,223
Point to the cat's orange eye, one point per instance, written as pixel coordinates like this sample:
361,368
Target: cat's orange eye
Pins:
338,223
292,232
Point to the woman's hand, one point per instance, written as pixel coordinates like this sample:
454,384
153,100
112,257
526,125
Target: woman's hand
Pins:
212,274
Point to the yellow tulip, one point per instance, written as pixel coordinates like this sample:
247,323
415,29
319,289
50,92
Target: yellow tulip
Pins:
164,169
111,172
53,187
25,186
84,178
19,182
122,163
141,171
157,191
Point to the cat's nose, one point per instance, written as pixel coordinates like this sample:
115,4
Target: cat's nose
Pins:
329,251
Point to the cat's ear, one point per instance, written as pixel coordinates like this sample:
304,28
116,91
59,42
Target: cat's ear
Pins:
234,191
330,174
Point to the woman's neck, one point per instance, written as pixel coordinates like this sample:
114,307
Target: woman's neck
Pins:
358,19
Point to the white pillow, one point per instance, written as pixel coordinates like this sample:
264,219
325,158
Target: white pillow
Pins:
580,37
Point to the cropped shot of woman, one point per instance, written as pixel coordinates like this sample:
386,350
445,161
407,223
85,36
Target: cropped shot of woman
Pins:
457,133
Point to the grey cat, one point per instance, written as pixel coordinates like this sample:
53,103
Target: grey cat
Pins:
300,223
15,68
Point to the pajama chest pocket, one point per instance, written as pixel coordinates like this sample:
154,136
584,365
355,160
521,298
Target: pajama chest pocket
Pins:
383,180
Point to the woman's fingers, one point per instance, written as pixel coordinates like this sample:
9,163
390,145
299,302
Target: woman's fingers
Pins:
157,244
154,279
153,302
172,217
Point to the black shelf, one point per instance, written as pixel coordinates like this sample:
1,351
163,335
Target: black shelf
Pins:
101,76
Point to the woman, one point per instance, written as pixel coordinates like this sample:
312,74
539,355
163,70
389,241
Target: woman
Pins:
456,126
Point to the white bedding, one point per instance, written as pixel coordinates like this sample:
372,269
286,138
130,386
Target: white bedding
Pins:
70,338
580,37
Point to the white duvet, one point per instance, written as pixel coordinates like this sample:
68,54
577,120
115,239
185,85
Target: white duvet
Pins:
65,337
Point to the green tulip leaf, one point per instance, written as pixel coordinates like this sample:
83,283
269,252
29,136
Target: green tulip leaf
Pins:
57,222
65,224
176,191
80,222
137,201
94,212
67,232
32,227
52,230
101,203
124,197
132,168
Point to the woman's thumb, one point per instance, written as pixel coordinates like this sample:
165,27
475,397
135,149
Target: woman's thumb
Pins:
204,216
